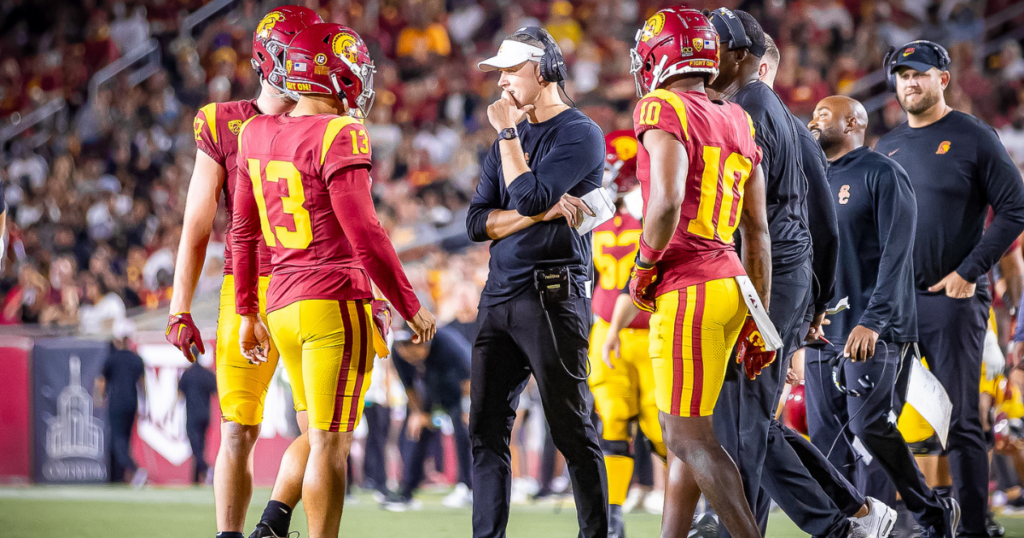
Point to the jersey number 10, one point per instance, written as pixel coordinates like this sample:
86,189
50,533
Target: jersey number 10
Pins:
291,205
719,219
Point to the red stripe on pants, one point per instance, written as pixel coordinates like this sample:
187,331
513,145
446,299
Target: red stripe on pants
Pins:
677,353
346,359
363,333
698,359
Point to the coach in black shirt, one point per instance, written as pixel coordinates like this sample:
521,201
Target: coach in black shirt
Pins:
525,178
877,213
745,409
958,169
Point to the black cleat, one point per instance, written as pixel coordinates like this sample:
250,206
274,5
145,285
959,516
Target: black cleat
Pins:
995,530
263,530
616,526
951,520
704,526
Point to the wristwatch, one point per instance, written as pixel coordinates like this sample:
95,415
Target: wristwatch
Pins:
508,134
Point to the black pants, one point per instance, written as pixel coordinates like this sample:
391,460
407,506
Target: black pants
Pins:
952,337
514,341
643,466
121,423
378,423
869,418
745,413
196,432
416,452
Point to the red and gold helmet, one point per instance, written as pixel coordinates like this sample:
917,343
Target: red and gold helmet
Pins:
620,161
674,41
273,35
330,59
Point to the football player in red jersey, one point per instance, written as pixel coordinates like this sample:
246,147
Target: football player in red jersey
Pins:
701,179
622,378
304,186
241,386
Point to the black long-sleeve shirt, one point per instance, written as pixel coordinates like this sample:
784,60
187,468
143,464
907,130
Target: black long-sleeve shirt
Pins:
565,155
438,379
958,168
821,218
876,210
785,185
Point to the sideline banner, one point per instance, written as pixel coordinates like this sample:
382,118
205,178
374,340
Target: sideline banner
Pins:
15,414
71,444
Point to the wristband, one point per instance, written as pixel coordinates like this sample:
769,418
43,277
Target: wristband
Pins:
649,252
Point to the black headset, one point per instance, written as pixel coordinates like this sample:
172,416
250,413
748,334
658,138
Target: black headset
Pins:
552,64
737,38
892,56
865,382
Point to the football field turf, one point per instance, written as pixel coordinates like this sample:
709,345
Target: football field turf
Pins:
121,512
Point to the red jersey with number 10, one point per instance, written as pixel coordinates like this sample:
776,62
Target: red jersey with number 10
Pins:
216,129
304,186
719,141
615,245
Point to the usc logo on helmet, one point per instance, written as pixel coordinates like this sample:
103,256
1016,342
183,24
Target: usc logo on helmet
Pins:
268,23
625,147
344,46
653,27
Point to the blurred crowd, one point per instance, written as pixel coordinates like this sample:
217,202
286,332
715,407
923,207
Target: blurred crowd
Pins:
96,201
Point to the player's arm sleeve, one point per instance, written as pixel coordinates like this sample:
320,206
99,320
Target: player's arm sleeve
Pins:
3,200
573,155
1005,193
353,206
824,226
896,219
207,133
245,227
486,199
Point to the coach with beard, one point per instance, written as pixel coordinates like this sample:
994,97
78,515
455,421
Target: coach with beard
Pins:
958,169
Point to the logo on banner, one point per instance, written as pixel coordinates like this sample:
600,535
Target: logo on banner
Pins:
74,434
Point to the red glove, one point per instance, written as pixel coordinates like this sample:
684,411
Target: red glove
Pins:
750,350
642,288
183,333
381,310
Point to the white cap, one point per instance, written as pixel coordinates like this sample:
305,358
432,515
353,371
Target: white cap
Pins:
511,54
123,328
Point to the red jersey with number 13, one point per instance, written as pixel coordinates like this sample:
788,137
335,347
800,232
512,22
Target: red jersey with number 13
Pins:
295,170
719,141
615,245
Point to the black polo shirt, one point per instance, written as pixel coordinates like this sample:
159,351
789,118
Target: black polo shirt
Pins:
959,169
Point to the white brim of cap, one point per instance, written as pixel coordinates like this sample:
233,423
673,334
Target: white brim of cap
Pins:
511,54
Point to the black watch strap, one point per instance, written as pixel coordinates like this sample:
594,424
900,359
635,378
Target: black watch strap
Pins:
508,134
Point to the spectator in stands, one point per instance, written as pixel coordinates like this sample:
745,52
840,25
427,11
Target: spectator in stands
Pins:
197,386
565,30
422,45
436,377
1012,136
120,383
102,309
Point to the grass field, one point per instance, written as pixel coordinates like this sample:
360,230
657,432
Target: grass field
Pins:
120,512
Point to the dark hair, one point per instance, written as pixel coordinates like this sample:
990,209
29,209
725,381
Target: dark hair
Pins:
772,50
528,39
752,28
